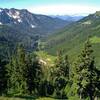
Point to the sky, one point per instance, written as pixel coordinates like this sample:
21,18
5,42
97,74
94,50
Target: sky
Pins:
54,7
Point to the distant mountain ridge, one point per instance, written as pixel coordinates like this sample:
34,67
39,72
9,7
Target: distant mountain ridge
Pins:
28,22
69,18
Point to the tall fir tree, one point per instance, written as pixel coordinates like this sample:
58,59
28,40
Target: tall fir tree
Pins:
85,75
61,74
16,72
3,78
33,73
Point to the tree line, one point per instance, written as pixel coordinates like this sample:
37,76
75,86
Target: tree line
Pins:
23,74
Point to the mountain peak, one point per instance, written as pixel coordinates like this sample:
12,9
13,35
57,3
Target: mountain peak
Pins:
28,22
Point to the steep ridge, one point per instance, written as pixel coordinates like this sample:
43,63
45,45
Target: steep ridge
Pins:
30,23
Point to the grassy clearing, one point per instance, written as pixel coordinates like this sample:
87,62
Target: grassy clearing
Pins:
49,59
45,98
14,98
7,98
95,39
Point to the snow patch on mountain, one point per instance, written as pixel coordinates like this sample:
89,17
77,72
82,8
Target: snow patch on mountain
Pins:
15,23
19,20
14,15
0,23
0,10
33,26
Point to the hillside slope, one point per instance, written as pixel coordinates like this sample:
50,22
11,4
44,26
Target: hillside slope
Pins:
10,37
72,38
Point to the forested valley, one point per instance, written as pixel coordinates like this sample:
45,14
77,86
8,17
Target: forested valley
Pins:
49,58
23,75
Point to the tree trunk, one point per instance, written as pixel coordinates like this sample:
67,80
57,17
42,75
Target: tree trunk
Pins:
80,97
92,97
96,98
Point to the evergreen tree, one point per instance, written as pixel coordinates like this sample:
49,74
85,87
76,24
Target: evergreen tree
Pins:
3,78
16,72
24,73
61,74
33,73
85,75
62,65
66,67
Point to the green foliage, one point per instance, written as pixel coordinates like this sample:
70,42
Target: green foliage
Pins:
95,39
74,98
85,75
61,75
3,78
25,75
16,72
33,72
46,88
24,72
62,65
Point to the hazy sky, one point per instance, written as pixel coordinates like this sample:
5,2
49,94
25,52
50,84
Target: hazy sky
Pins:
54,7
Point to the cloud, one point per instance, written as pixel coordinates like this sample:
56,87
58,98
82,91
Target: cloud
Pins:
63,9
